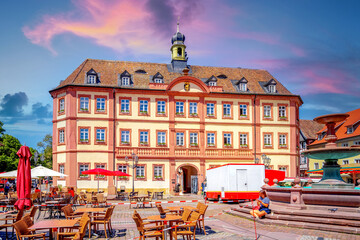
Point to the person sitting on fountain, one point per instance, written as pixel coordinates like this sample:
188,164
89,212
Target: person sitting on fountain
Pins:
263,203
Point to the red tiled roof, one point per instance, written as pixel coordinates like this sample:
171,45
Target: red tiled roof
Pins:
110,70
309,128
341,128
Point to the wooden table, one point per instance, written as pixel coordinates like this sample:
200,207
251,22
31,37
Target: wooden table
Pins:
54,223
180,209
169,218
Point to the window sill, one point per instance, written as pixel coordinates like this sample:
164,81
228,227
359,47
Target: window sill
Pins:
162,145
283,119
158,179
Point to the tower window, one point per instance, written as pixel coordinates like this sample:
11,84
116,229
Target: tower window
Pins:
179,52
125,81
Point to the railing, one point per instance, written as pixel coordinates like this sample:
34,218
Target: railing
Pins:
182,152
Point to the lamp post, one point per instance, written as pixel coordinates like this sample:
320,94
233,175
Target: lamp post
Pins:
135,161
257,160
266,160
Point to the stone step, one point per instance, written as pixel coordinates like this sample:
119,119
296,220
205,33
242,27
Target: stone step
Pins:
312,213
307,225
307,219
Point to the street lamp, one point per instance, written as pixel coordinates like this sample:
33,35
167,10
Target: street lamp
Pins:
257,160
266,160
135,161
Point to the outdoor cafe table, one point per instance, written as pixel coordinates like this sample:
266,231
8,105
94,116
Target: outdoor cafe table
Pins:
169,218
180,209
54,204
54,223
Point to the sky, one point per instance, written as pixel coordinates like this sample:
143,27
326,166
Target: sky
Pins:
311,47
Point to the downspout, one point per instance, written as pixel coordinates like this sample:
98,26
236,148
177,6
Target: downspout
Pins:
254,110
114,136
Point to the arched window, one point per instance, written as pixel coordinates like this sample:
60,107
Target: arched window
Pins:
179,52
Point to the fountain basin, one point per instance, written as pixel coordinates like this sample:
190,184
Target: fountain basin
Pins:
332,153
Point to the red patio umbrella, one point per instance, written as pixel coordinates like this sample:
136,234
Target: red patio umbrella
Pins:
120,174
23,184
98,171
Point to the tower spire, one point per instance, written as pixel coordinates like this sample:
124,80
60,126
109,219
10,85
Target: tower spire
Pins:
178,27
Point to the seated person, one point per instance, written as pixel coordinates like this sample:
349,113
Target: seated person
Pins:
37,190
71,191
263,202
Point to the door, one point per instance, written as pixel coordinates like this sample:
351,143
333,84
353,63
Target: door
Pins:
241,180
194,184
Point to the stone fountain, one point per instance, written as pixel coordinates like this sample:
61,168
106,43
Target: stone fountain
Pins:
331,190
331,153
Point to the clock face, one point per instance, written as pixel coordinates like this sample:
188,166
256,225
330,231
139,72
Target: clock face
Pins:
187,86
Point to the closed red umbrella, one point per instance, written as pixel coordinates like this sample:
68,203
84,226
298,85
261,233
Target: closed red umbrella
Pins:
23,184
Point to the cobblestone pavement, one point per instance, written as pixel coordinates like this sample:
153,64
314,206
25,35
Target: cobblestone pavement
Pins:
223,226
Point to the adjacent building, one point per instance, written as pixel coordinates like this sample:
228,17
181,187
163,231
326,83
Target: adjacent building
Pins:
308,134
178,119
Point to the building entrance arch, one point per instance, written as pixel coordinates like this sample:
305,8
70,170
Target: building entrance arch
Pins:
188,178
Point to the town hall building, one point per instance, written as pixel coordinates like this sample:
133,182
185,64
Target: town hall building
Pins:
176,119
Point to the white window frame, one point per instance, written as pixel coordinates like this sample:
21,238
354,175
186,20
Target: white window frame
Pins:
144,137
82,168
62,105
91,79
125,81
357,161
125,137
140,171
179,107
61,136
122,168
243,87
161,138
267,111
193,108
62,168
272,88
283,169
180,138
100,135
210,139
267,140
161,107
227,139
210,109
227,109
350,130
346,161
193,139
243,110
212,83
282,111
125,105
84,104
84,135
158,172
100,104
158,80
243,139
282,140
144,106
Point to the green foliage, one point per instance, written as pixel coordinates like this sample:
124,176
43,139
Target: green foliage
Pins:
45,148
8,158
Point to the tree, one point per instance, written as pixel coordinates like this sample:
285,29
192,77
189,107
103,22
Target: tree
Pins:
8,158
45,148
2,130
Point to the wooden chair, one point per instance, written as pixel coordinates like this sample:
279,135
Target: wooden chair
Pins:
101,199
33,212
89,199
106,220
22,231
149,199
69,213
27,219
187,230
162,211
11,220
83,225
185,215
146,232
202,209
77,236
137,215
160,195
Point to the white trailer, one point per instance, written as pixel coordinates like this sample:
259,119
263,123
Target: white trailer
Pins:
234,181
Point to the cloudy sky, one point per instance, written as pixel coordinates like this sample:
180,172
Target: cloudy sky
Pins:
312,47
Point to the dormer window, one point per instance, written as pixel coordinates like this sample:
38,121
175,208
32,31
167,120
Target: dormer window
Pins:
158,78
212,81
241,85
125,79
350,130
271,86
91,77
321,135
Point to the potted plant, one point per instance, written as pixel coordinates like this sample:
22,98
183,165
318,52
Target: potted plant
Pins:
162,144
193,114
84,109
143,112
140,176
124,142
158,177
144,143
227,144
244,145
161,113
179,113
193,144
211,144
84,140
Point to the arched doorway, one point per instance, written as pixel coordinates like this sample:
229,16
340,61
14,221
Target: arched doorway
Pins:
189,182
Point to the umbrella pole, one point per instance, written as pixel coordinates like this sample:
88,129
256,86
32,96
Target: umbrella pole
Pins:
98,183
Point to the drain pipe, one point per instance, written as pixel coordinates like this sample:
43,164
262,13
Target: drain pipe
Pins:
254,109
114,135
